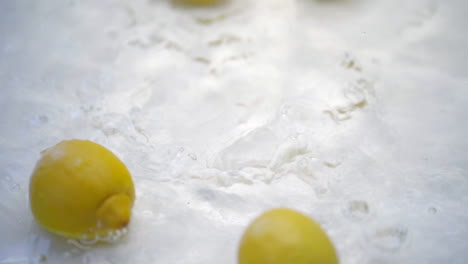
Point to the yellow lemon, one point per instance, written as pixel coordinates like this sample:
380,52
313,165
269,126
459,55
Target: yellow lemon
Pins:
79,189
284,236
198,2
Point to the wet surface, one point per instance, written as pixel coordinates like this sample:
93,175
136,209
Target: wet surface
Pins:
350,111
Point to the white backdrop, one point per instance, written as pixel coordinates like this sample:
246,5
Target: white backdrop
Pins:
351,111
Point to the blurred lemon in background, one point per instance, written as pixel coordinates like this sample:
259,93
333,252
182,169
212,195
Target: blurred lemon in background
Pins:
284,236
198,2
79,189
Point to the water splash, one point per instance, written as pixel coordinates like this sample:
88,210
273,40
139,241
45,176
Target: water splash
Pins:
111,237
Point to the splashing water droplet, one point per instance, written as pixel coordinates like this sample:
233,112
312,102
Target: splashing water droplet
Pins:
110,237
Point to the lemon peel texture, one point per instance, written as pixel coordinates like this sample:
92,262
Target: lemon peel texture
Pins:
285,236
81,190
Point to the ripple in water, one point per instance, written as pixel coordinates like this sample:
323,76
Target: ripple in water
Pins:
389,239
432,210
357,210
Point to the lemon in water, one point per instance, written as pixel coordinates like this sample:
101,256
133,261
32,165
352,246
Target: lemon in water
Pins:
79,189
284,236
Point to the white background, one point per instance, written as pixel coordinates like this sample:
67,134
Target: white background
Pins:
351,111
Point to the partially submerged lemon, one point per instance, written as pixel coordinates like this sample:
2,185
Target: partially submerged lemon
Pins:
79,189
284,236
